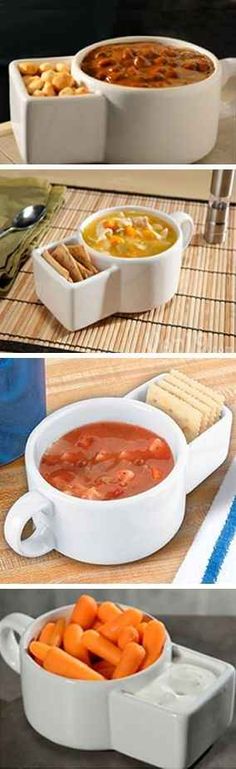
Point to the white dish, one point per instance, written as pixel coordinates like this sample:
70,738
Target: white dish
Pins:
56,130
208,451
75,305
121,530
123,285
68,712
146,282
116,123
102,532
122,715
154,125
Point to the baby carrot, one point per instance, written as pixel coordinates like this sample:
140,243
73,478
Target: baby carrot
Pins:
140,628
127,635
57,633
111,630
63,664
100,646
39,650
153,640
97,626
85,611
46,632
131,660
105,668
108,611
73,643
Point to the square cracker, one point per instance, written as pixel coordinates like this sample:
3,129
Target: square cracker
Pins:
189,397
186,416
206,392
210,410
191,386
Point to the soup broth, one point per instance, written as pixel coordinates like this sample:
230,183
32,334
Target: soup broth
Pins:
147,65
107,460
129,234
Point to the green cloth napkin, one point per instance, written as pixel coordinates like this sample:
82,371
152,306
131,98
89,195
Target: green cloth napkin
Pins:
15,194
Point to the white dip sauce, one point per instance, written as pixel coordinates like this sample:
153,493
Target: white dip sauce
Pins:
178,688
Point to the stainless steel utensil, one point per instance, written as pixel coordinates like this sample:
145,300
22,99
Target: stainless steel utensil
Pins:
25,219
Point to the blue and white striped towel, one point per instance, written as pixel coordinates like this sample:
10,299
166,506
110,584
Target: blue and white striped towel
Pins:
211,558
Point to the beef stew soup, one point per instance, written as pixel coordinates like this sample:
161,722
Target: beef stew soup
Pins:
147,65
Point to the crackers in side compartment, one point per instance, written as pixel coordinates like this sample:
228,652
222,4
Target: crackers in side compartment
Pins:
72,262
205,391
192,405
186,416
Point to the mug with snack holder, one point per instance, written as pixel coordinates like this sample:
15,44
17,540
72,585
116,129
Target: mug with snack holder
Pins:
122,284
70,712
121,123
181,691
121,529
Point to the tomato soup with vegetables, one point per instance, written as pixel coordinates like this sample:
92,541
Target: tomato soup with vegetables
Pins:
129,234
107,460
147,65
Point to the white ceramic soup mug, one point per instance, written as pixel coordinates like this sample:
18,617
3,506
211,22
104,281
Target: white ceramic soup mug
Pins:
66,711
145,282
102,532
160,125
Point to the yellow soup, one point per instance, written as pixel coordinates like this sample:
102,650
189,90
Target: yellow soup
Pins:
129,234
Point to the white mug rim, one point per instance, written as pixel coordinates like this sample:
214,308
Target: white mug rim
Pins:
71,681
163,255
176,42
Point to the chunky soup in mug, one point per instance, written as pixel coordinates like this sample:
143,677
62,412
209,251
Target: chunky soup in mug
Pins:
129,234
107,460
147,65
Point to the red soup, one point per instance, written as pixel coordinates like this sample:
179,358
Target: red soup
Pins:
107,460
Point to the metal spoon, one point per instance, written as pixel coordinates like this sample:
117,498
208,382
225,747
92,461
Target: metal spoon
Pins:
25,219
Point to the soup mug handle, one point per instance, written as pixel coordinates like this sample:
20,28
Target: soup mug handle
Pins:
228,71
185,222
42,539
9,646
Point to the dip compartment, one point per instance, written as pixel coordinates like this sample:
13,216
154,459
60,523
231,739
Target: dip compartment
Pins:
176,717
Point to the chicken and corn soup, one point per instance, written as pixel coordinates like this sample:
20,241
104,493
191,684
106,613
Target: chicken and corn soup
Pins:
107,460
129,234
147,65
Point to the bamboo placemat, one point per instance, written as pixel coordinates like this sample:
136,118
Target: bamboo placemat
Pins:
71,379
200,318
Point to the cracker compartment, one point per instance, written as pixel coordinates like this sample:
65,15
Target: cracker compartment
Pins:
56,130
75,305
208,450
193,406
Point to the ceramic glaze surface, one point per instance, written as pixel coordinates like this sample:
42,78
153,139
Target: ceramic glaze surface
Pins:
160,125
68,712
95,531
